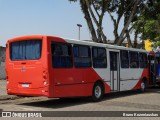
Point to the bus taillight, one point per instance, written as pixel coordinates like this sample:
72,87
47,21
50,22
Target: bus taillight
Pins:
44,83
7,82
6,75
44,77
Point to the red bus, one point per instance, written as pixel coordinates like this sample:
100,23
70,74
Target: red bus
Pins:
57,68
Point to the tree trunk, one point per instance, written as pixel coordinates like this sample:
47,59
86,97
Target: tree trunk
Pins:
128,39
89,21
91,12
104,38
120,39
135,38
100,34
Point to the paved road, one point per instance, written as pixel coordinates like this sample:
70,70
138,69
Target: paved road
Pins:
123,101
3,87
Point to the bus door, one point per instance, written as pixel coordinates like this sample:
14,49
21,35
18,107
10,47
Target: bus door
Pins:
114,70
152,70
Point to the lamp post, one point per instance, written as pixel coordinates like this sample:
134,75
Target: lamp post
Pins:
79,26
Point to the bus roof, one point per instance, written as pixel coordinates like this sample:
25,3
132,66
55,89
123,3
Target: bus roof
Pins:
74,41
103,45
26,37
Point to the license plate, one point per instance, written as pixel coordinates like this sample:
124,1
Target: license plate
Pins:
25,85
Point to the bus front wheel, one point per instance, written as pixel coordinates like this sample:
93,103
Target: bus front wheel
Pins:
98,91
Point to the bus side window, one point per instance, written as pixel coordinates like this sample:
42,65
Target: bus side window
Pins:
99,57
82,56
61,55
124,59
134,59
143,60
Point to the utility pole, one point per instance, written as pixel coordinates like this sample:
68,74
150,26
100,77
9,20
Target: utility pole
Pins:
79,26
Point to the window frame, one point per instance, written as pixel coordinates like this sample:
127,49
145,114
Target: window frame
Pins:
143,60
10,49
90,57
104,58
128,60
137,60
71,56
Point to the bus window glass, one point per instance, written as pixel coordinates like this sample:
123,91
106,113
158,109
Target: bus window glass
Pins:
82,56
134,60
25,50
124,59
61,55
143,60
113,60
157,58
83,51
99,57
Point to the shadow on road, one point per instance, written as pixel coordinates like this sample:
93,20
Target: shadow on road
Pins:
67,102
154,90
58,103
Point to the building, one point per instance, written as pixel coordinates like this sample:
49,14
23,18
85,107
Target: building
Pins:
2,62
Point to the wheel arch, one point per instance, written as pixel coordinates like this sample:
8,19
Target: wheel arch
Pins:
101,82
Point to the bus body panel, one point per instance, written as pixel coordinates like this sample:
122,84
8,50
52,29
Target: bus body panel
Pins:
27,77
75,82
129,78
144,76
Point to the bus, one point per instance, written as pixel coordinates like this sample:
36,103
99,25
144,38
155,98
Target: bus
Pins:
154,68
58,68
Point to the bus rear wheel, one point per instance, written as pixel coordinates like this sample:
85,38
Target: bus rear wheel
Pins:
97,92
143,86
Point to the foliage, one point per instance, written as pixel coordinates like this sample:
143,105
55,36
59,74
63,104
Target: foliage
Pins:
140,16
148,22
94,11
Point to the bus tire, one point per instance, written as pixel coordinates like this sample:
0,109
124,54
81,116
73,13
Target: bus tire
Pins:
143,86
158,84
97,92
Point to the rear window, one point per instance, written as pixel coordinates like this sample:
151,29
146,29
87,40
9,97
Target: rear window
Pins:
25,50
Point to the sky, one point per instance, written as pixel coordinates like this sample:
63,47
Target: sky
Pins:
44,17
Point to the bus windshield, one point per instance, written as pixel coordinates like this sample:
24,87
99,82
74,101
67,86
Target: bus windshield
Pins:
26,50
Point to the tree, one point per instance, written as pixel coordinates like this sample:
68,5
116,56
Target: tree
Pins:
94,11
152,27
131,11
127,9
147,24
88,19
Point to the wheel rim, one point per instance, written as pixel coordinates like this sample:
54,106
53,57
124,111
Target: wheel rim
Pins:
142,85
98,91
